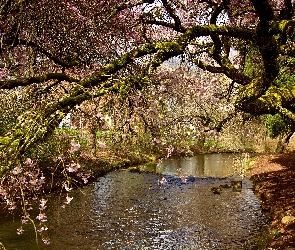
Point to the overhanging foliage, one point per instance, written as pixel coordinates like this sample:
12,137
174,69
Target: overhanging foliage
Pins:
75,51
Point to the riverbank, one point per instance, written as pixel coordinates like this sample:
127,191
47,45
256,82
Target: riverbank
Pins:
274,179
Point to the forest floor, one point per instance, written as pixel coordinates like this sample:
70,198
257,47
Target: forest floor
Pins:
274,184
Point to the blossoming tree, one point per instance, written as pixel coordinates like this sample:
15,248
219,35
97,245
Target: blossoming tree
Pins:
72,51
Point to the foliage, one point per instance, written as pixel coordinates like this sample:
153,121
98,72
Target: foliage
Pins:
276,125
217,36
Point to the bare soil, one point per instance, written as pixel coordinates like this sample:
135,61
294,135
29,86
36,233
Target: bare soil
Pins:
274,179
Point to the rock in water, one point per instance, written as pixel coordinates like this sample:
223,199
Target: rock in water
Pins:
237,186
216,190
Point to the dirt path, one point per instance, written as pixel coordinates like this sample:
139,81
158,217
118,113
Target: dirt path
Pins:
274,178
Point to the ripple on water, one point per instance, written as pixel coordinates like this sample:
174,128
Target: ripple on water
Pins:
126,210
175,215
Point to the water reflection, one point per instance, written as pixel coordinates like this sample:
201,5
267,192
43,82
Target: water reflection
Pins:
206,165
124,210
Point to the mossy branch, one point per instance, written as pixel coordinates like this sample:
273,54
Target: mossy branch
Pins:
255,100
10,84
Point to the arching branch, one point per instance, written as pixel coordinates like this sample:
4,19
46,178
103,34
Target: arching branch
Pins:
10,84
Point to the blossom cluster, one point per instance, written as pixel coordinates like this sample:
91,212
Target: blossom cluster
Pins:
26,183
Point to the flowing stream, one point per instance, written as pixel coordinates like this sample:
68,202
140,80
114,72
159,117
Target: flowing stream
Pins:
129,210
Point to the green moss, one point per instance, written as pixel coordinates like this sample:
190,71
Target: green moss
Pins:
252,61
123,90
169,47
72,100
278,97
283,24
78,89
109,67
146,48
123,60
285,77
214,27
272,97
4,140
251,90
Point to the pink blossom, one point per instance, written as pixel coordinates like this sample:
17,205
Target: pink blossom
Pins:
117,138
42,229
68,200
83,153
101,144
76,11
42,180
170,150
73,167
163,180
34,182
16,170
98,115
24,219
29,162
59,158
74,147
42,204
183,178
158,141
19,231
46,241
11,204
67,188
42,217
85,178
105,126
181,175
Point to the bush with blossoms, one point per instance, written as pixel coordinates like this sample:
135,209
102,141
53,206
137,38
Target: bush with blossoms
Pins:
24,188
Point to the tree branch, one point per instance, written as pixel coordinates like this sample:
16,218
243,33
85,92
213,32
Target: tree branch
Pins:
213,20
160,23
266,41
201,64
264,11
287,12
229,70
10,84
43,51
177,23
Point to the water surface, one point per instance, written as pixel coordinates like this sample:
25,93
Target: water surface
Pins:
125,210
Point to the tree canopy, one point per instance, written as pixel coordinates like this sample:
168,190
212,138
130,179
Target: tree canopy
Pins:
66,52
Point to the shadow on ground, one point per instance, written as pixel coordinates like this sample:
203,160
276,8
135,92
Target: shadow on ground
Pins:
275,186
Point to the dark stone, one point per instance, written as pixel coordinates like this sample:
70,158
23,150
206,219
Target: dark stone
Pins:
216,190
237,186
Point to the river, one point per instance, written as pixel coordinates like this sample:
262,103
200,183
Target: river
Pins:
130,210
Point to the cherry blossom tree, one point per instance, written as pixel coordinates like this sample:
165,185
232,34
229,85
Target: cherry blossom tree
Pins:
73,51
127,56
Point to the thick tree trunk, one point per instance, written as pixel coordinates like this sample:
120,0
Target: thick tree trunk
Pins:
283,143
